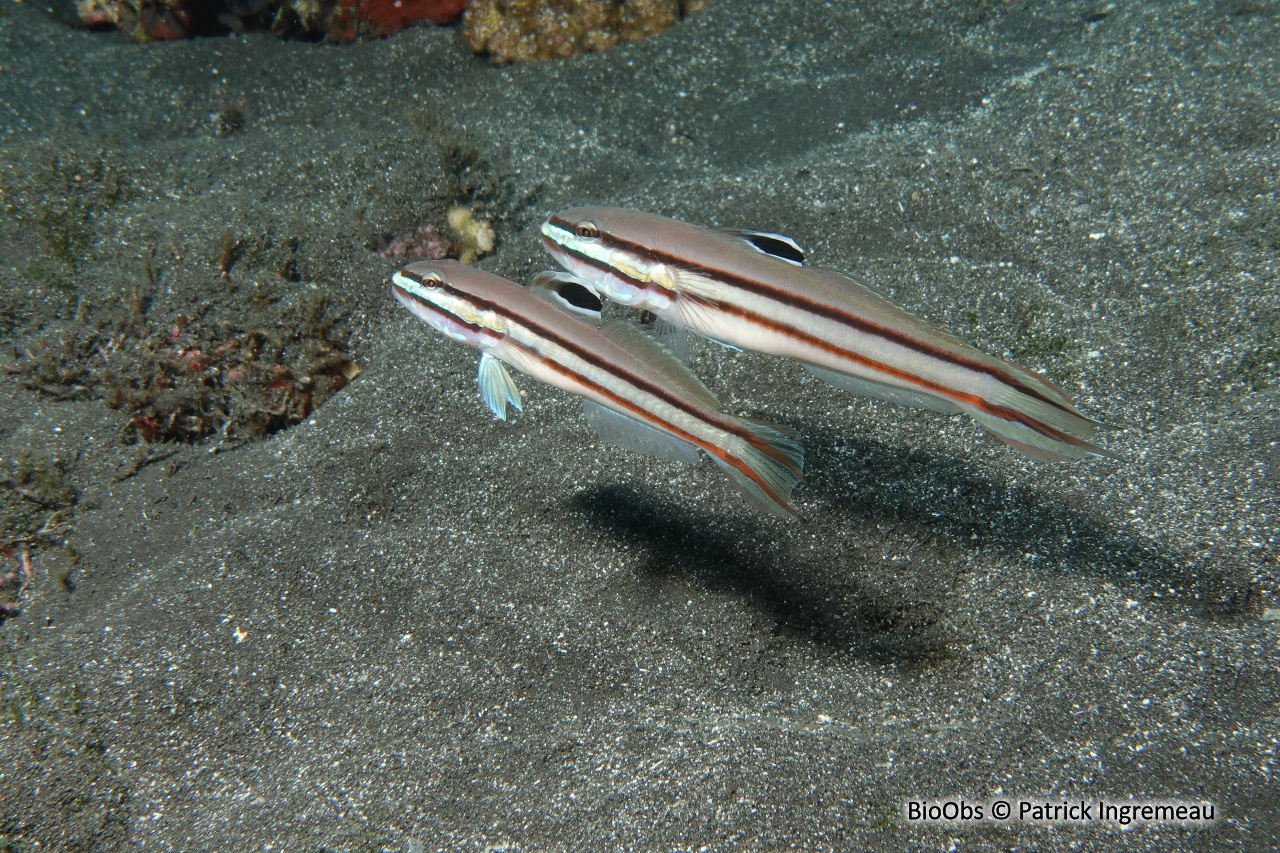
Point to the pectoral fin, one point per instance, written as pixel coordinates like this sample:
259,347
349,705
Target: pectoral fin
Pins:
496,386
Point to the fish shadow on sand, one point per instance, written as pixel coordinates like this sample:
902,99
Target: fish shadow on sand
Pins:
947,500
827,580
747,554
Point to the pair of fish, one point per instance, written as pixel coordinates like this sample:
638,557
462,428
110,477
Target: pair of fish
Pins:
745,289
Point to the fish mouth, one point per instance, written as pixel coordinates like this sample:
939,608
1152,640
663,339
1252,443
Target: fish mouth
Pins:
550,243
409,299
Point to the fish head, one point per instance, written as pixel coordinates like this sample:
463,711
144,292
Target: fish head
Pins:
453,299
608,248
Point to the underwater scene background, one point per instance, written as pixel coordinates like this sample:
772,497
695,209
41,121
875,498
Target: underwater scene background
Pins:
273,578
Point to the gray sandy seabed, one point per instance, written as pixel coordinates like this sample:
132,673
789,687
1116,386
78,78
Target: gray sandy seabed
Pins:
401,625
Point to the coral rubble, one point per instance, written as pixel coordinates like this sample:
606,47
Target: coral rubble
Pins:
426,243
189,380
348,19
472,238
339,20
507,30
140,20
476,236
536,30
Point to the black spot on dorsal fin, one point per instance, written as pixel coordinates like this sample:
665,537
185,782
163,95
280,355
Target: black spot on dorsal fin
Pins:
567,291
773,244
580,297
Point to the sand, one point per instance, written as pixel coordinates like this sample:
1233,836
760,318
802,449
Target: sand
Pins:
402,625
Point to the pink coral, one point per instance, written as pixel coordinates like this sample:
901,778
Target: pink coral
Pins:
426,243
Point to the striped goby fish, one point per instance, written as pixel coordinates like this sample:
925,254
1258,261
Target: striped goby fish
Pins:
751,290
611,365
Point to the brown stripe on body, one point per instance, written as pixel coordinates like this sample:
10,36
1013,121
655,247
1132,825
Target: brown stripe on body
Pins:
795,301
635,411
641,414
1002,412
602,364
435,309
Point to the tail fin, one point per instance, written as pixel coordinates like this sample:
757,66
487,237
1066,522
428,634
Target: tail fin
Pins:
766,467
1043,430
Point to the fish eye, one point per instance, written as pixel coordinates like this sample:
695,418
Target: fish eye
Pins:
587,230
432,281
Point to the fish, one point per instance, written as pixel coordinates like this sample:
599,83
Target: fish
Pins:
635,393
752,290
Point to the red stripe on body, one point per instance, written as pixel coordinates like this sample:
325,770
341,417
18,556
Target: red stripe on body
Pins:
785,297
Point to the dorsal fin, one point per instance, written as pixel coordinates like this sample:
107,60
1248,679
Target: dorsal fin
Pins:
658,358
858,285
567,291
842,280
783,248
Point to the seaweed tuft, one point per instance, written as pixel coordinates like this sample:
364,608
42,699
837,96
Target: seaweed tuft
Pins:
186,379
36,501
58,196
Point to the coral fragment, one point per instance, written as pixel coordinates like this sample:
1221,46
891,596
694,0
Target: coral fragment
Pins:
538,30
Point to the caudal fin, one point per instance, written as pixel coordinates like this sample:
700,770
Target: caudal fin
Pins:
766,467
1040,429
